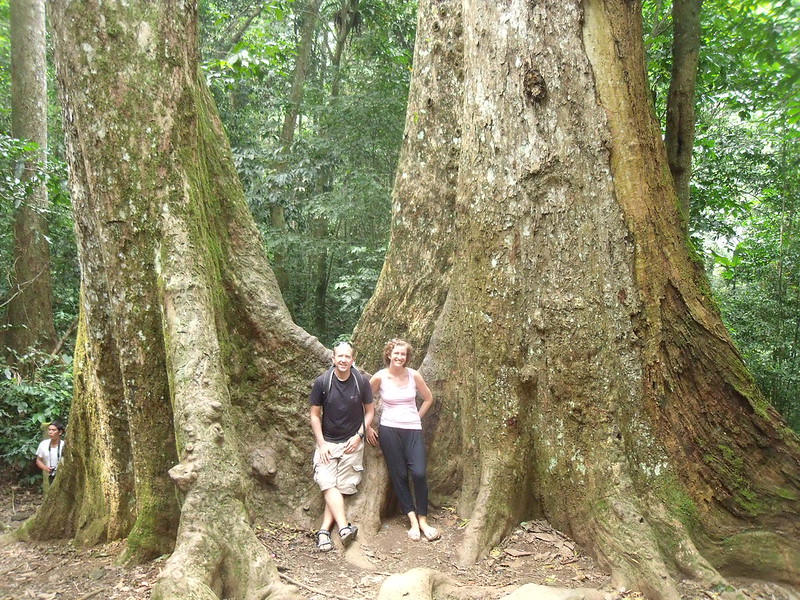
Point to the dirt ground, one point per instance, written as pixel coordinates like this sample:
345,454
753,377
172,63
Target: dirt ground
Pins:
533,553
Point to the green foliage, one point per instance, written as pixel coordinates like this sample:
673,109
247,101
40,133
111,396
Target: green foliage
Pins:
13,155
751,59
63,251
13,191
745,175
5,68
755,250
728,265
334,181
29,403
354,288
44,393
249,79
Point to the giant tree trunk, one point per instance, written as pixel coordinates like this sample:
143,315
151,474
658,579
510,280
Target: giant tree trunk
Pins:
30,308
187,360
680,129
578,356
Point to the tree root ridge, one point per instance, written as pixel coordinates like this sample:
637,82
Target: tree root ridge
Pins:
645,548
427,584
420,584
761,555
217,555
488,524
682,550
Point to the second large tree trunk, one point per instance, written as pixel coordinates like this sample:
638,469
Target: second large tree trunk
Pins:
30,308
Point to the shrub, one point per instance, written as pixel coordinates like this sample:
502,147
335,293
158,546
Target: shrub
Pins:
28,403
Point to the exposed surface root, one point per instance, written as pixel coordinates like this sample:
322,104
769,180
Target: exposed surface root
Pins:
420,584
220,561
427,584
531,591
534,553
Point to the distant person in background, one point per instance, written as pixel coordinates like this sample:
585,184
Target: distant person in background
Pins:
400,434
49,452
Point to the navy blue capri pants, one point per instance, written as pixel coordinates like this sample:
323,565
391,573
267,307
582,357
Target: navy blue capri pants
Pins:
404,451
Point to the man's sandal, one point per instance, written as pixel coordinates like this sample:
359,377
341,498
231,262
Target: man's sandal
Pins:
348,534
324,542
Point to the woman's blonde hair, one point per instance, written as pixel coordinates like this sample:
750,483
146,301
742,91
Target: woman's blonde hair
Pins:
390,345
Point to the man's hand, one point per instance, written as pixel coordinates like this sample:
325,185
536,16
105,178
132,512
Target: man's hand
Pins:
324,453
352,444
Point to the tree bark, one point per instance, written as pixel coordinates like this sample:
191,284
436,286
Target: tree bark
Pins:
30,308
189,371
680,129
581,368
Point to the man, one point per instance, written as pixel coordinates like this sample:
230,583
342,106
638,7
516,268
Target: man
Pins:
49,452
341,412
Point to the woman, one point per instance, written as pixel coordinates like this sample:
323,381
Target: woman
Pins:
400,434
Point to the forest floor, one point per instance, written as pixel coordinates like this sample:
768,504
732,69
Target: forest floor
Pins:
533,553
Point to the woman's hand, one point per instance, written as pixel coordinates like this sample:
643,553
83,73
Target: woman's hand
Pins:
372,436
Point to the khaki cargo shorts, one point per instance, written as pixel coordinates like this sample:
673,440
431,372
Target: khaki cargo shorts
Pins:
342,472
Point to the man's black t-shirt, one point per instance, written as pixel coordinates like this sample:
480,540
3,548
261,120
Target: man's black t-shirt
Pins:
342,410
